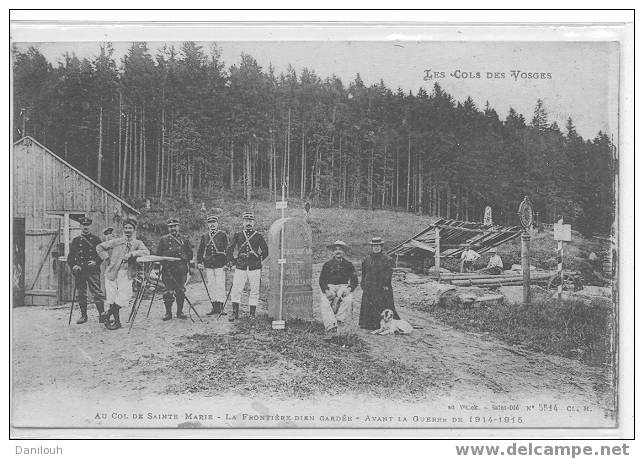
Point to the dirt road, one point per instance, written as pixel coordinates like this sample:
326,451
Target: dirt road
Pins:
74,375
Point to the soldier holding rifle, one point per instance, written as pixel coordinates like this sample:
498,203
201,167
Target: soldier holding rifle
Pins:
175,273
211,257
251,250
86,267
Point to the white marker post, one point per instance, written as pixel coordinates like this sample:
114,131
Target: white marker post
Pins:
280,323
562,233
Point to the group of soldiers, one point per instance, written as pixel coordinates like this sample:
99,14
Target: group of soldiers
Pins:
116,258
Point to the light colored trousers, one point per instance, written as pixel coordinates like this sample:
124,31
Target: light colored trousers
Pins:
345,309
119,290
216,278
239,282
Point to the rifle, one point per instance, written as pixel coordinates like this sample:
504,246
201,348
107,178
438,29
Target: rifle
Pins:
206,286
71,309
174,281
223,307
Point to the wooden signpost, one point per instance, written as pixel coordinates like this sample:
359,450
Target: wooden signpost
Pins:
562,233
525,215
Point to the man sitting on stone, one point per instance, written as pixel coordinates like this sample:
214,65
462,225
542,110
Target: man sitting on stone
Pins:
338,280
495,264
468,257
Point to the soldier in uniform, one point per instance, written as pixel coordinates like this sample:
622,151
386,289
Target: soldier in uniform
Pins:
86,267
251,250
175,273
211,256
377,294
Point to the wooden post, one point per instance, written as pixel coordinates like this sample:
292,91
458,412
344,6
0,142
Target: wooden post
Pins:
560,271
437,253
525,266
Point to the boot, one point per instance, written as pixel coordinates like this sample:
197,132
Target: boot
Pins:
168,311
235,314
252,311
101,312
180,314
117,320
105,317
214,310
83,317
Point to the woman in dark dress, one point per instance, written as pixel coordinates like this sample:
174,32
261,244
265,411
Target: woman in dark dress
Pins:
377,294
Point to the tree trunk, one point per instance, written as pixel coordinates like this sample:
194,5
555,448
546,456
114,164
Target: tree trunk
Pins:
142,162
370,179
232,164
408,169
288,156
124,168
303,167
247,172
420,185
100,146
271,178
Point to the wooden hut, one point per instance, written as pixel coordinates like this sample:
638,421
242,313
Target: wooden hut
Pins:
50,196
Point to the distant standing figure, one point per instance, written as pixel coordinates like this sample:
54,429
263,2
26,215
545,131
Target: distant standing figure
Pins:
468,257
307,208
377,294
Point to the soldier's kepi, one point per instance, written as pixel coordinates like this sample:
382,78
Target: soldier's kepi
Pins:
251,250
211,257
85,264
175,273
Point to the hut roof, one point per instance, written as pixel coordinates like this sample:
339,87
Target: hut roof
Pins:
31,139
454,236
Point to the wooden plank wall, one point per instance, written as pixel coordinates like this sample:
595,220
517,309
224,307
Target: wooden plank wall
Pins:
43,184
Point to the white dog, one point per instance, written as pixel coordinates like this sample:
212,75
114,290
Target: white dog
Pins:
391,326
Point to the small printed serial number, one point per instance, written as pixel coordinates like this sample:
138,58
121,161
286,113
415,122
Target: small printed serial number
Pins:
496,420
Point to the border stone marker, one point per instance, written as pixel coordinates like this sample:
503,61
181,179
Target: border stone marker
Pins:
298,265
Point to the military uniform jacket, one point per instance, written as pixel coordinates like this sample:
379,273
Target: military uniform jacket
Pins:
175,246
251,250
82,250
338,272
212,249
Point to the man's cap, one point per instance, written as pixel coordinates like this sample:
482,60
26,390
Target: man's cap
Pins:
338,243
130,221
493,250
248,216
85,221
376,241
108,230
212,219
173,221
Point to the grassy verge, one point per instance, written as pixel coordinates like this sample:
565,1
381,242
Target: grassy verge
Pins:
356,227
297,362
575,328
